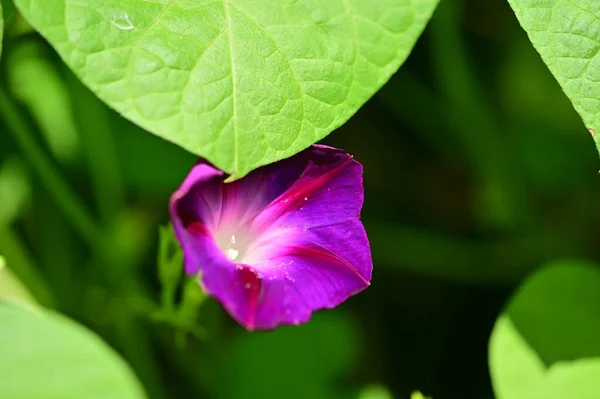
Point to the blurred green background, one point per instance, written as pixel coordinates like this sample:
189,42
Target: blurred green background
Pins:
477,171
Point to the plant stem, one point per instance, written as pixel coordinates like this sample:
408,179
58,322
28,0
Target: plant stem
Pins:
68,202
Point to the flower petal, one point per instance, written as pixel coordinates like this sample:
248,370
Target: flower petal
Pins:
328,191
311,270
306,250
204,202
194,212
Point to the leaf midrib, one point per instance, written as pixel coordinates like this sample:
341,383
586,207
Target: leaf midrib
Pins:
233,90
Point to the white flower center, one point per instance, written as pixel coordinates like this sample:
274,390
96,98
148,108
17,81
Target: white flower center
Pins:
231,252
244,246
233,242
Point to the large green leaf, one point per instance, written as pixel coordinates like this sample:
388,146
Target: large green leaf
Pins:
240,82
46,356
546,343
567,35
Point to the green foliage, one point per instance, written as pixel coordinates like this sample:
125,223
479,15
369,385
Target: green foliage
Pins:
35,82
8,10
475,174
240,82
1,27
546,344
182,315
11,289
567,36
46,356
524,157
15,189
375,392
22,269
170,265
296,362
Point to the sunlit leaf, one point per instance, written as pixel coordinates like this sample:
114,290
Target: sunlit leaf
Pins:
545,345
240,82
567,36
47,356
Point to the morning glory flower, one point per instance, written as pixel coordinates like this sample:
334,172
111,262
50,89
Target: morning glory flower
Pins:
280,243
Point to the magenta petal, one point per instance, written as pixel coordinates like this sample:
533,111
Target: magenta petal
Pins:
329,191
280,243
315,269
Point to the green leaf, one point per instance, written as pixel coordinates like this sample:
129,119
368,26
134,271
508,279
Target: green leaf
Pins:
47,356
573,380
515,367
545,345
240,82
567,36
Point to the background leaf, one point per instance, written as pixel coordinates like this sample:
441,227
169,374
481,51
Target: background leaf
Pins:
546,345
240,82
567,36
35,82
45,355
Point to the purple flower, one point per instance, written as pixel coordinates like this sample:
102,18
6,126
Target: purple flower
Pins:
279,243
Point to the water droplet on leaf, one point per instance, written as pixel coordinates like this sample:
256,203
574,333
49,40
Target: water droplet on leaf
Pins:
121,20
